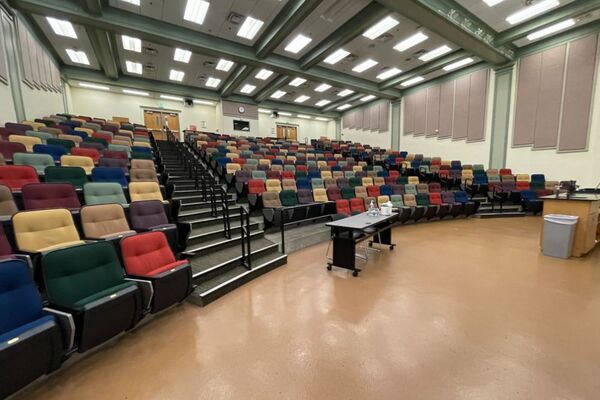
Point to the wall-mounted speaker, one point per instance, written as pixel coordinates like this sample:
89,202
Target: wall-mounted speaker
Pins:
274,114
189,103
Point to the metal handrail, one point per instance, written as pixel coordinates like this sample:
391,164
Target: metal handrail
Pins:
245,236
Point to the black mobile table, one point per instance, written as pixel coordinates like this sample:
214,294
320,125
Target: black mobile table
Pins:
348,232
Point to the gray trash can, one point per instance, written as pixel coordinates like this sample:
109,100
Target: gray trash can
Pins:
559,231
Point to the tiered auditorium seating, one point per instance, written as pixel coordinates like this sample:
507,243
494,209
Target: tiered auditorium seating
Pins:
98,283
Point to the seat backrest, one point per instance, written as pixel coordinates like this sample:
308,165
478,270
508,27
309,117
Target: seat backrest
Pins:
19,297
78,161
75,273
37,161
379,181
460,196
9,148
435,198
81,151
367,182
288,198
289,184
107,174
320,195
410,188
422,188
271,200
147,214
256,186
381,200
38,196
396,200
55,151
144,191
410,200
143,175
360,191
373,191
143,164
102,220
273,185
414,180
28,141
305,196
41,229
7,203
103,193
357,205
317,183
146,252
333,193
448,197
15,176
76,176
343,207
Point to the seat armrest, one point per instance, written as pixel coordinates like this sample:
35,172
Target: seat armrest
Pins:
26,258
66,323
146,287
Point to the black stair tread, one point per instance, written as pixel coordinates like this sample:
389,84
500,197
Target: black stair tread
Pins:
207,261
204,229
203,210
235,237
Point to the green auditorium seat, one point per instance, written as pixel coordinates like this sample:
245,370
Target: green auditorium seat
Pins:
38,161
347,193
103,193
354,182
288,198
137,155
87,281
73,175
44,136
67,144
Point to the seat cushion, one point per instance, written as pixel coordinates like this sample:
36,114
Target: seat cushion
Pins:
24,328
103,293
60,246
164,268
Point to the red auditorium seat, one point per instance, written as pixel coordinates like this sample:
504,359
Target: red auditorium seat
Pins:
82,151
373,191
147,256
343,207
9,148
256,186
16,176
104,136
357,205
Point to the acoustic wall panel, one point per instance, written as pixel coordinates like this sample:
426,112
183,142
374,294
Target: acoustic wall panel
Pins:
432,121
577,100
446,109
366,119
420,112
383,116
477,103
23,34
409,115
3,66
461,107
550,97
358,118
35,71
374,111
528,86
351,120
346,120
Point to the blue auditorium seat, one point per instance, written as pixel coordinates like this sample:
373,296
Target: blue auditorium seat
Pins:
109,174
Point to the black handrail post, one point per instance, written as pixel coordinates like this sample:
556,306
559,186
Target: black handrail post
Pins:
282,219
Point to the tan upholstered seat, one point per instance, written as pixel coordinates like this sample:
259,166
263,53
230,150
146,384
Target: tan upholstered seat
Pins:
360,191
87,163
104,221
289,184
410,200
45,230
139,191
357,168
88,131
271,200
379,181
523,178
33,124
273,185
28,141
414,180
382,200
232,167
367,182
7,202
320,195
142,164
422,188
143,175
326,175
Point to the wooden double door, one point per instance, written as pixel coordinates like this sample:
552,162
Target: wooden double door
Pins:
159,121
287,132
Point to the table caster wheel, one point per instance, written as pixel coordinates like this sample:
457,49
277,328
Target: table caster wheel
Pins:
355,273
329,267
370,244
392,247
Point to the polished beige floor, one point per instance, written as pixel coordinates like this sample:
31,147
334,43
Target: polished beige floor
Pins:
460,310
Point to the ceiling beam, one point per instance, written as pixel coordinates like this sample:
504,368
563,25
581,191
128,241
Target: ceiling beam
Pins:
571,10
288,19
149,85
107,55
425,68
356,25
592,27
441,18
276,84
349,99
94,7
161,32
239,74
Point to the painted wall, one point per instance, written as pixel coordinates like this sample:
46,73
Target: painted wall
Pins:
108,104
39,103
7,108
583,166
307,128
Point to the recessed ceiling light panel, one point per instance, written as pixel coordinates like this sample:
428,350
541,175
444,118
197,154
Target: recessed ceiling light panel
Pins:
322,88
301,99
298,44
380,28
62,27
247,89
297,82
336,56
388,73
182,55
175,75
278,94
195,11
264,74
133,67
135,92
78,56
412,81
131,43
411,41
345,92
531,11
213,82
365,65
435,53
224,65
250,28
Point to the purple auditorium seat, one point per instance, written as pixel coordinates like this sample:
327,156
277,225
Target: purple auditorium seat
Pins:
49,195
114,154
92,145
9,148
149,215
115,163
20,128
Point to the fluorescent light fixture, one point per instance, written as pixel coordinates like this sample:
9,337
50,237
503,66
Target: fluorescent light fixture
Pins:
264,111
322,88
458,64
247,89
224,65
301,99
411,41
195,11
285,114
133,67
131,43
322,103
346,92
368,98
136,92
531,11
174,98
250,28
78,56
134,2
435,53
182,55
344,107
551,29
213,82
264,74
336,56
304,116
412,81
62,27
298,44
205,102
175,75
365,65
492,3
297,82
278,94
93,86
322,119
388,73
380,28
